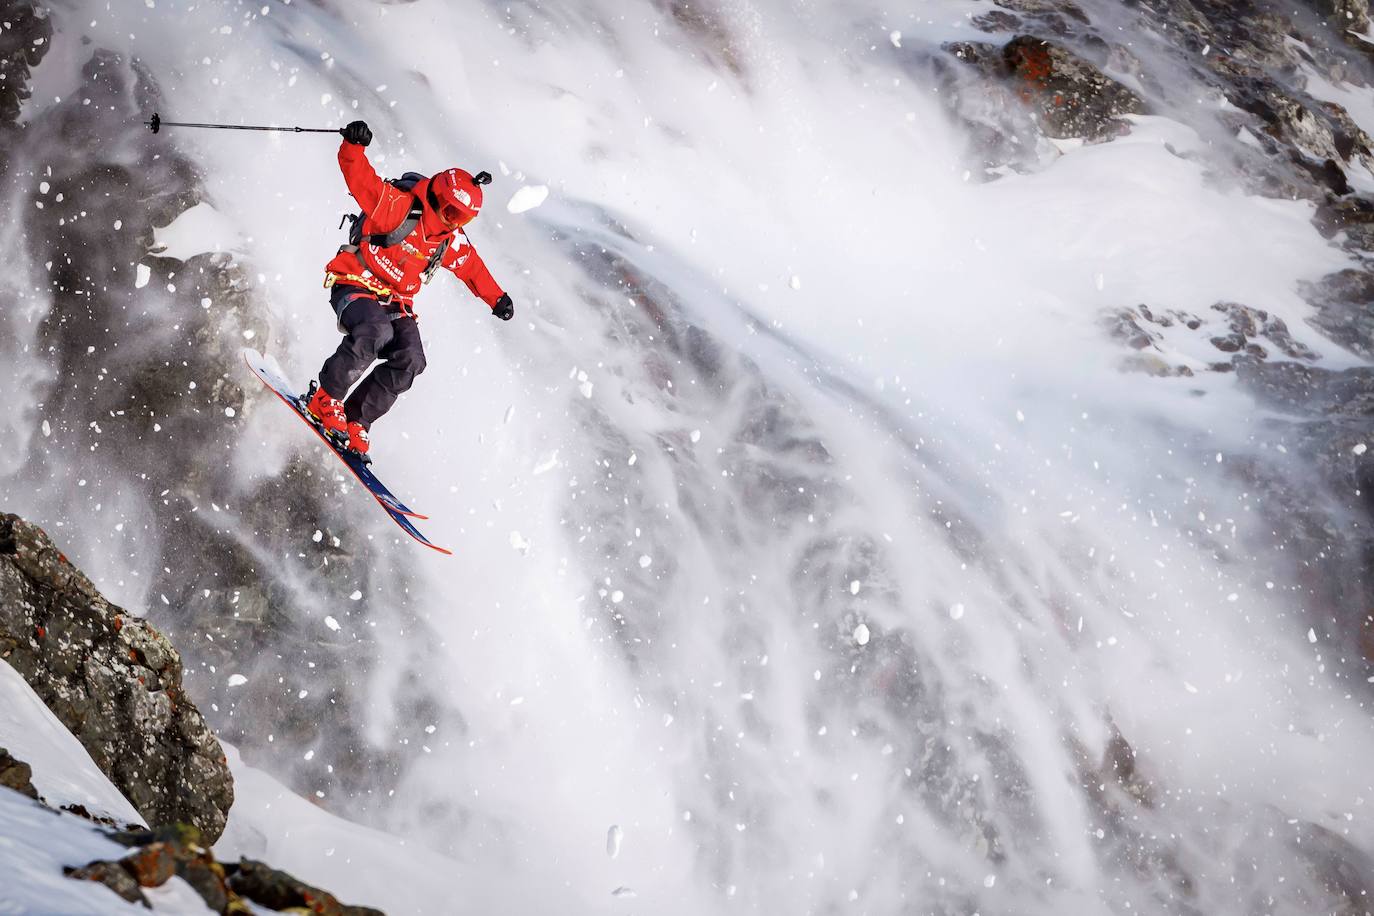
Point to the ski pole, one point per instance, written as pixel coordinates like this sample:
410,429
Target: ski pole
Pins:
157,124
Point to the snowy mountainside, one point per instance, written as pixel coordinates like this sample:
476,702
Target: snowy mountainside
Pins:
63,773
38,843
268,822
860,510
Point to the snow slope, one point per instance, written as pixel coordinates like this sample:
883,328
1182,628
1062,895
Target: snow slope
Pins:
63,773
35,843
267,823
271,824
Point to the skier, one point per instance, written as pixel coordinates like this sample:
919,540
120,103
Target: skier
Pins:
407,229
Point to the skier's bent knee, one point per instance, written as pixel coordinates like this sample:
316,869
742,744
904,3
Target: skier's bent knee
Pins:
411,361
371,337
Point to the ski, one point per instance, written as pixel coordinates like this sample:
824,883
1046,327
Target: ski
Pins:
267,371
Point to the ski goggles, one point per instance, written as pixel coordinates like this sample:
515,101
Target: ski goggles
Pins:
449,212
455,216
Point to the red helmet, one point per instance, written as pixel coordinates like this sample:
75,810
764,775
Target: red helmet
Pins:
456,196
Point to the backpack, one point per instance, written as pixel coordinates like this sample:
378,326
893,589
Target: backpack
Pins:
386,239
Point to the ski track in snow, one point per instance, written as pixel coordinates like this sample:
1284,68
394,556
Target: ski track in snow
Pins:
932,416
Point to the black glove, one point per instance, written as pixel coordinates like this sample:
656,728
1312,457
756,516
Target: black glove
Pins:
503,308
357,133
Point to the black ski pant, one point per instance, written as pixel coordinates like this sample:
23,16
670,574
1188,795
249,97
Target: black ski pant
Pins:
371,332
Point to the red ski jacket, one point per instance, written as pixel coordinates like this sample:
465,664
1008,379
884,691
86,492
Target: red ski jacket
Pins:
398,270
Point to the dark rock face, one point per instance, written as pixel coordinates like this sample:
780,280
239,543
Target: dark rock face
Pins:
1249,326
1345,309
1070,96
1346,16
23,43
1323,417
1303,389
1029,89
112,679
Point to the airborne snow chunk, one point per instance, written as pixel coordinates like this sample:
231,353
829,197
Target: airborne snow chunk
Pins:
200,229
613,838
237,680
527,198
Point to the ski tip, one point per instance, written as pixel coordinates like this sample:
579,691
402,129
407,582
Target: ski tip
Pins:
409,528
390,504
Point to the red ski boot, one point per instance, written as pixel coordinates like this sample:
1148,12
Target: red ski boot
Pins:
328,411
357,438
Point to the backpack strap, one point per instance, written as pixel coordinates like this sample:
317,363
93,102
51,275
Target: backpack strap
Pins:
436,259
407,226
395,236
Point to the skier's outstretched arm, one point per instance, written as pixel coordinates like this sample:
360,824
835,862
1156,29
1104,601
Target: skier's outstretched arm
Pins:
473,272
362,179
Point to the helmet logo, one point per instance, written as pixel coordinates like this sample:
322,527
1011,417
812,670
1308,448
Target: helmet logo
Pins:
463,197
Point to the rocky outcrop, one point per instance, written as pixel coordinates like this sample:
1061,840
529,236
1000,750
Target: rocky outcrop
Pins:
1345,309
1249,330
1234,330
16,775
177,852
24,39
277,890
1077,78
113,680
1031,88
1069,95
